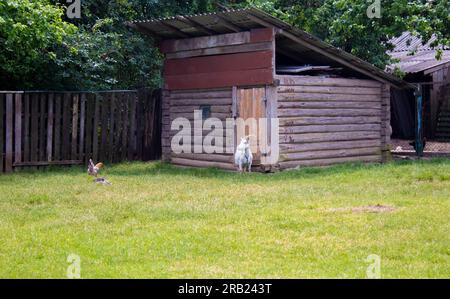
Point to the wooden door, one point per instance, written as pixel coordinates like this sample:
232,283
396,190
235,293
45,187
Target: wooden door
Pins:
251,107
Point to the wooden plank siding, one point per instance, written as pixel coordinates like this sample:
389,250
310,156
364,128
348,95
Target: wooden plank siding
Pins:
235,59
205,42
325,121
219,63
38,129
220,79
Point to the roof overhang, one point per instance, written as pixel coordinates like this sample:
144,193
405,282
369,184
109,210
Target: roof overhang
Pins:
422,61
179,27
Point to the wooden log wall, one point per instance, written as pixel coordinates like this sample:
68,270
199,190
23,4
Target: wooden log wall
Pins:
183,104
386,129
325,121
65,128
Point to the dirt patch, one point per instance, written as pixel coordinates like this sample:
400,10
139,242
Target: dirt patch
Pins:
365,209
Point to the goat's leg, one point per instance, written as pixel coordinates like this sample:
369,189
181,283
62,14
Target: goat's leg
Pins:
250,167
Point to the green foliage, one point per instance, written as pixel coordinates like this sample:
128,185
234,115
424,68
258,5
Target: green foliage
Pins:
42,49
345,24
105,59
30,32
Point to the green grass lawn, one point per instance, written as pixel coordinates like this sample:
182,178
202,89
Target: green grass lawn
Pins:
158,221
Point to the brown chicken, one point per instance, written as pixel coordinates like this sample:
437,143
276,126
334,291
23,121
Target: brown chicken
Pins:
94,169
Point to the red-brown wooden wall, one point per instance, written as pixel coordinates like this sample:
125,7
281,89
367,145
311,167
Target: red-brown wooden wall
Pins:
239,59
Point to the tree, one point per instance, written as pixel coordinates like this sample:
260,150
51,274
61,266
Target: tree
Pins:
40,48
108,54
30,32
345,23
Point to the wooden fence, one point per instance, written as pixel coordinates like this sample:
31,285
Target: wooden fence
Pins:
65,128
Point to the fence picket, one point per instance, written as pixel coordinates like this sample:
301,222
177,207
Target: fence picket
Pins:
57,125
34,127
119,127
132,132
2,103
18,129
82,126
38,129
65,153
50,121
96,128
26,128
90,102
42,127
112,105
103,153
9,133
74,143
125,127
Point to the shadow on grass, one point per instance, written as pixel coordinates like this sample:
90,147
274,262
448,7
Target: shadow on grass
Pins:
153,168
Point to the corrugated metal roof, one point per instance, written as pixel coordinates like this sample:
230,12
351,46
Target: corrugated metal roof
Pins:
411,43
243,20
414,56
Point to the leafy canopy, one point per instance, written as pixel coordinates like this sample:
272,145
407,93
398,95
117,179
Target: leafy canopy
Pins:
42,49
30,32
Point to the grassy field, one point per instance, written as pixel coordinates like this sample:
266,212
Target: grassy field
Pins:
157,221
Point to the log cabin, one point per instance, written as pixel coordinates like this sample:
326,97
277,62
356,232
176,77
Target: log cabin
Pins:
325,106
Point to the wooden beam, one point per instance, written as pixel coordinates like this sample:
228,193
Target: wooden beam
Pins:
203,42
46,163
143,30
329,82
222,50
436,68
317,49
174,29
228,24
195,24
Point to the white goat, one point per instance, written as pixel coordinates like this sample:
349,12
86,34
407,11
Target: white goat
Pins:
243,156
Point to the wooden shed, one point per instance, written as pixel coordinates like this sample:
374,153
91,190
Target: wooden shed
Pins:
418,61
329,106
